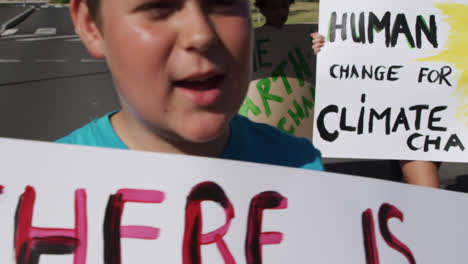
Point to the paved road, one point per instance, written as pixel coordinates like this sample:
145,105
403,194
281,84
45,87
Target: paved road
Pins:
44,46
47,110
8,12
48,18
37,58
49,84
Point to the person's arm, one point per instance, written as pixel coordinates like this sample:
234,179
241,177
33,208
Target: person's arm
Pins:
423,173
318,41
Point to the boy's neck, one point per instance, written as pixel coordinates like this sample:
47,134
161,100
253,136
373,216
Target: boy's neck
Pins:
138,137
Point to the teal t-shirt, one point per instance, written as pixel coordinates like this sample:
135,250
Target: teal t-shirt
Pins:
249,141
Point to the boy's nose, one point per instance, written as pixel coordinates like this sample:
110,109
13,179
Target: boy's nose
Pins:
197,31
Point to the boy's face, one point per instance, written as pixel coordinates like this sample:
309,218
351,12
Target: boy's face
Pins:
182,67
276,12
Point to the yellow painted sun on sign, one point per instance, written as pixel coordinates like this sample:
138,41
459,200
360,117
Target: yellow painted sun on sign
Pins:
456,51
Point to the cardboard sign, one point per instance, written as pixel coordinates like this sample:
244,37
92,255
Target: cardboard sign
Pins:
281,93
72,204
393,80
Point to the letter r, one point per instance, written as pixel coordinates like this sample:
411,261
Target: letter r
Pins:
193,237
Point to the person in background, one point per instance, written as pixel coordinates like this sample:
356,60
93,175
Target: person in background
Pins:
181,70
423,173
276,12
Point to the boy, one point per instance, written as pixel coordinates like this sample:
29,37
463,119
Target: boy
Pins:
181,69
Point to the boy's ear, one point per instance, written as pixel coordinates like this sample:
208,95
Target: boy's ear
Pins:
87,28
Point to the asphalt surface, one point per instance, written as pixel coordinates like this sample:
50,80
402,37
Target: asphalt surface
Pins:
50,85
8,12
38,58
47,110
44,47
50,17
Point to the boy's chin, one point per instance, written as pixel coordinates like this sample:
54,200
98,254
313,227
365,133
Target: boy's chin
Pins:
206,132
206,136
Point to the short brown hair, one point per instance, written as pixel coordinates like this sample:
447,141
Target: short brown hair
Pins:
94,9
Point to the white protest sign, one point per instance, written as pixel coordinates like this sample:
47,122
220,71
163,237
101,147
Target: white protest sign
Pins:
392,80
281,92
86,204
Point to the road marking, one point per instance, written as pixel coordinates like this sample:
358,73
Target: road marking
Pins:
19,36
47,38
9,61
9,32
92,60
50,60
46,31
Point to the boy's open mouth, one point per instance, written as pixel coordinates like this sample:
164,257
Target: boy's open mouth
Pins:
201,83
202,90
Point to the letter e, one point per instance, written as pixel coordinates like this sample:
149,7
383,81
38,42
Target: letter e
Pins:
255,237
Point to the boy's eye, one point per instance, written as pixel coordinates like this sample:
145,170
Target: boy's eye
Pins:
158,9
